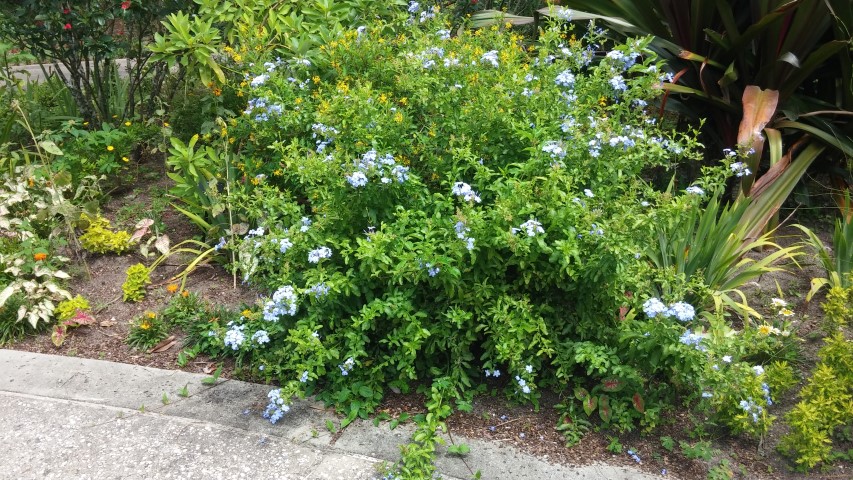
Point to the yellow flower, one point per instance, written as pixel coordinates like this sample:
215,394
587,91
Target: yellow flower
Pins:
165,124
172,288
85,123
144,325
786,312
765,329
404,101
125,159
150,314
246,313
315,79
398,117
185,293
110,148
231,140
127,124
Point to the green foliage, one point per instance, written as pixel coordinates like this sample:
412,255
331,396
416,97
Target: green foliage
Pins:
99,238
68,308
837,309
826,402
698,451
781,377
185,310
721,471
138,276
712,243
836,262
94,33
431,207
147,331
10,328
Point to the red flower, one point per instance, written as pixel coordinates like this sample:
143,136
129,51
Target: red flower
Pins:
67,26
125,5
66,11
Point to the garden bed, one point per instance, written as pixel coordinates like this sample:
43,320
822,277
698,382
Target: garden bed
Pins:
492,418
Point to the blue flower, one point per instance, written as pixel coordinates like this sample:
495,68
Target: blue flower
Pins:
683,311
490,57
694,190
261,337
565,79
314,256
259,80
234,337
283,302
277,406
357,179
654,307
304,377
531,227
347,366
319,290
284,244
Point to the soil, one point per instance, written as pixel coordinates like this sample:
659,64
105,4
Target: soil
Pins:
492,417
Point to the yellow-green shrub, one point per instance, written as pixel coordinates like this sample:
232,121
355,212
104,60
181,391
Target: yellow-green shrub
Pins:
98,237
137,278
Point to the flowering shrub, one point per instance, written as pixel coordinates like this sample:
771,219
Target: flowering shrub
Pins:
448,209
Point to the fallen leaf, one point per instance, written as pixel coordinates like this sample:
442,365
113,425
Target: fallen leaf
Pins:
164,345
108,323
209,368
162,244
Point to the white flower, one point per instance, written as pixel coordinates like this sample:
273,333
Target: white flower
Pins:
694,190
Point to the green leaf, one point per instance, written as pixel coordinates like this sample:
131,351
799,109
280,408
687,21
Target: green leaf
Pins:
589,404
639,403
212,380
458,449
604,409
50,147
581,393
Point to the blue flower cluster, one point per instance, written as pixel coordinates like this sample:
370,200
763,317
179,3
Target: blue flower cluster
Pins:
490,57
234,337
283,302
462,189
324,135
347,366
432,270
284,245
462,231
523,384
319,290
750,407
493,373
530,227
385,168
277,406
262,109
682,311
261,337
692,339
314,256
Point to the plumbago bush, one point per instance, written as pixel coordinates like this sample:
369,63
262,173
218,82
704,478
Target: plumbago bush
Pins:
449,211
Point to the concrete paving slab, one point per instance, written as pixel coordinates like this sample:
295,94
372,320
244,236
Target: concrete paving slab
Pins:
67,417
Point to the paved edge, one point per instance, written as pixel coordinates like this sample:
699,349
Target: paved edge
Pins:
236,405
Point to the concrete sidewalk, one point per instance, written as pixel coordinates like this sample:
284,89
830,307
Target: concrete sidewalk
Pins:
67,417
